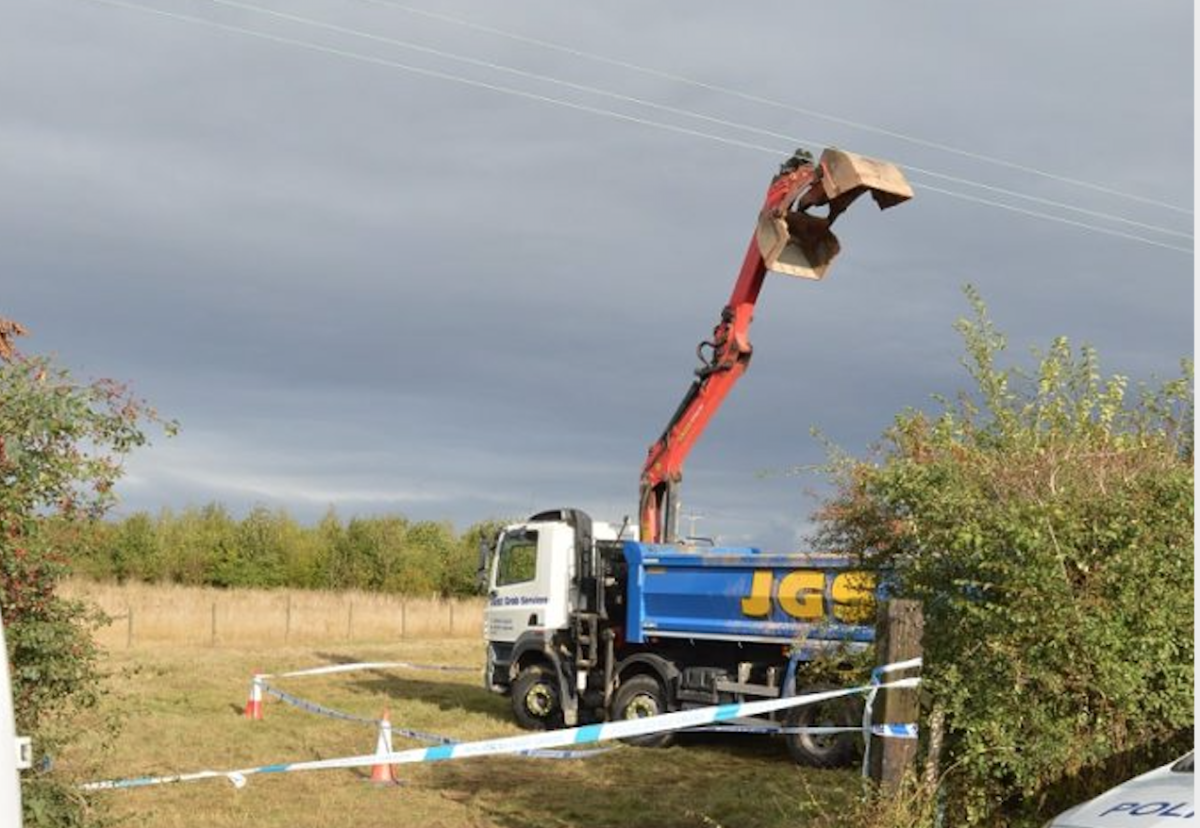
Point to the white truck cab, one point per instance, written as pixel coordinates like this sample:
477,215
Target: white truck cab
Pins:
532,587
530,580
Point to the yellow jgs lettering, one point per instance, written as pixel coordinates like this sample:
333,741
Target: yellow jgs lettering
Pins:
801,595
853,596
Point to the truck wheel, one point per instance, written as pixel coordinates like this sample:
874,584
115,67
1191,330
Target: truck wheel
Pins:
535,701
637,698
831,750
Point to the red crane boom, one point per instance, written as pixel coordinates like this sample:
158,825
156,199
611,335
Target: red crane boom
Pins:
787,240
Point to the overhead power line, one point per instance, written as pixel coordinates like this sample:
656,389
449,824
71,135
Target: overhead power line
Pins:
431,73
1059,219
737,125
758,99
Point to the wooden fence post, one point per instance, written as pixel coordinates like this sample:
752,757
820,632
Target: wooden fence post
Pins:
350,620
450,633
129,627
403,617
897,638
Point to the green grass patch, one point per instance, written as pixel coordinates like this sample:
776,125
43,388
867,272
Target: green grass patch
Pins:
183,712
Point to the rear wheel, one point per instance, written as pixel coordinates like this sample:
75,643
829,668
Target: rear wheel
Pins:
833,750
535,700
638,698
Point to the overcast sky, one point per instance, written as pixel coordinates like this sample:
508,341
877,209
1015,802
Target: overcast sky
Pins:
387,290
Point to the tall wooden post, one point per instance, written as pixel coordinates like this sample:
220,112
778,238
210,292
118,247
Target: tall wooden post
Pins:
897,638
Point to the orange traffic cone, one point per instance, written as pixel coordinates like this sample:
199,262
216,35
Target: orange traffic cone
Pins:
254,704
383,773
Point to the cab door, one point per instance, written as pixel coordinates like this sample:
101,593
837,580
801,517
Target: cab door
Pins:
518,596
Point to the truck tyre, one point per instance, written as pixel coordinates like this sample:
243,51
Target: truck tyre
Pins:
535,700
637,698
825,751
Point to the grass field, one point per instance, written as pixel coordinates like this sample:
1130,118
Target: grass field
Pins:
158,615
182,710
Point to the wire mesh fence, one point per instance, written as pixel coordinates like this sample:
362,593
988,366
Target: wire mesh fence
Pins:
145,615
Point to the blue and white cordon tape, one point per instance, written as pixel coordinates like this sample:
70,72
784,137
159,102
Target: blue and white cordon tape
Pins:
421,736
369,665
359,666
587,734
868,707
883,731
317,708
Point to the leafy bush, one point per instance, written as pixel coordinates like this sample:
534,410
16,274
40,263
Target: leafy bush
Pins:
60,446
1046,522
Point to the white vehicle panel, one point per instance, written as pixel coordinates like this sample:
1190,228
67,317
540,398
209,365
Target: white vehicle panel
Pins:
10,749
530,580
1161,798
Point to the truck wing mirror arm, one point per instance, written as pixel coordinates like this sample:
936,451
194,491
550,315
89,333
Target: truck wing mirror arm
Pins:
481,574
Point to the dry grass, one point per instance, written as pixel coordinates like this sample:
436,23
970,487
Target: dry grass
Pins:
182,708
156,615
181,699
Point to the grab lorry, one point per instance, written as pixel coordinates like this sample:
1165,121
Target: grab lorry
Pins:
586,623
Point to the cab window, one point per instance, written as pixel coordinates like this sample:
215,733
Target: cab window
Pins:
518,559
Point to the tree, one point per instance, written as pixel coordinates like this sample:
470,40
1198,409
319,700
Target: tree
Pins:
61,445
1046,522
139,554
459,577
428,546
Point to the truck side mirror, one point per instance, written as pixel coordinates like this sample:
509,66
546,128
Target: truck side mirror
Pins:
481,574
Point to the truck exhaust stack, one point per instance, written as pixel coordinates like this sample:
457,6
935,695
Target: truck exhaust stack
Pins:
794,243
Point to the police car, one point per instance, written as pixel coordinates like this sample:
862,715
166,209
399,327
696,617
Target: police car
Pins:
1158,799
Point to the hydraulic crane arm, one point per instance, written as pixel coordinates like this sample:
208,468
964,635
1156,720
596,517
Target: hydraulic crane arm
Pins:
787,240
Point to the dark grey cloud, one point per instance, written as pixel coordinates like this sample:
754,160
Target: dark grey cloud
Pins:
361,287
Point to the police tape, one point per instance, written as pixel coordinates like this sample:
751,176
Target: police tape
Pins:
882,670
369,665
883,731
315,707
587,734
895,731
319,709
258,684
869,704
886,731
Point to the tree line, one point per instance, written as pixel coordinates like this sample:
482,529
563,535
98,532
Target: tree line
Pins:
268,548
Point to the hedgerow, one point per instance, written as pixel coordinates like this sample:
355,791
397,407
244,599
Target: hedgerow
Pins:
1045,520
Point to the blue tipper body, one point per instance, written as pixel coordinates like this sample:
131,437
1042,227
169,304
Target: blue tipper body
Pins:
735,593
